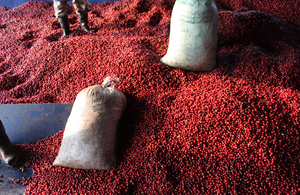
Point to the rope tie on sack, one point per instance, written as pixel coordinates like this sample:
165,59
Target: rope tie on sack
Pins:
110,82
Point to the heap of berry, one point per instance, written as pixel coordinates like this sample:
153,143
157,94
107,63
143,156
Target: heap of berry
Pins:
233,130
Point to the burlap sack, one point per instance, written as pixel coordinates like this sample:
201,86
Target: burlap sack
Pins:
193,35
90,133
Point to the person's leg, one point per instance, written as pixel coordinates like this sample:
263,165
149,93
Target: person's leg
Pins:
82,9
8,152
62,10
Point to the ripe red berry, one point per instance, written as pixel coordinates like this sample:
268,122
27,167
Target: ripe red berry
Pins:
233,130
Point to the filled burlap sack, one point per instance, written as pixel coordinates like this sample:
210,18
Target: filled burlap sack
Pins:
90,133
193,35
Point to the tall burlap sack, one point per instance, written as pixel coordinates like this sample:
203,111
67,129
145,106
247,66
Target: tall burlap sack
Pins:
90,133
193,35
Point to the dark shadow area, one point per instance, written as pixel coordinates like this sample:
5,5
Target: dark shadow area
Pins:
127,125
256,46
